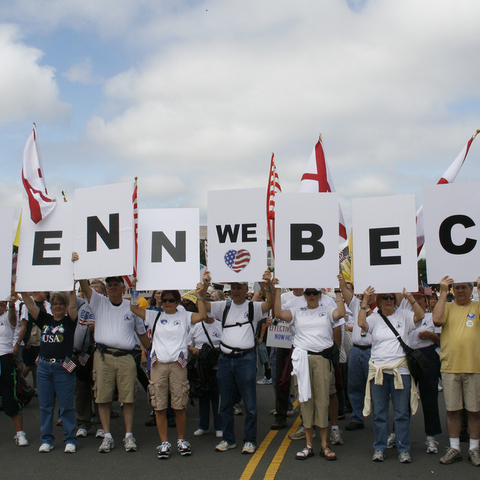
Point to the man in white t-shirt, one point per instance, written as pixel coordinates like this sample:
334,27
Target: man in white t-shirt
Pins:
116,330
237,361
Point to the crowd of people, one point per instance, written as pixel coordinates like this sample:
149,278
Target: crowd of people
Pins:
348,355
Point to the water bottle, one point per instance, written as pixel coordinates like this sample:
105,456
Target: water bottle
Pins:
134,297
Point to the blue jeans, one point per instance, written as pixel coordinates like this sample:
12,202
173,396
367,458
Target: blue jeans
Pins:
238,374
204,406
53,381
401,412
357,381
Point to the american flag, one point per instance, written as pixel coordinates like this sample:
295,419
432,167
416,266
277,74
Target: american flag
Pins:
317,178
83,358
273,188
448,177
153,358
182,360
426,289
237,260
128,279
68,364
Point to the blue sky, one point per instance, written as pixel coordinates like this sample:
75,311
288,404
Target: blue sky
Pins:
194,96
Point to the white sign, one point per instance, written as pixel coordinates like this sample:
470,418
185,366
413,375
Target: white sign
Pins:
306,239
168,249
452,231
237,240
6,241
384,244
104,231
45,251
279,335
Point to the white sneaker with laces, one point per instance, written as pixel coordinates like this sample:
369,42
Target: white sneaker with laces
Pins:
431,445
107,445
130,444
223,446
21,439
264,381
183,447
200,432
391,441
404,457
70,448
82,432
336,437
45,448
249,448
100,433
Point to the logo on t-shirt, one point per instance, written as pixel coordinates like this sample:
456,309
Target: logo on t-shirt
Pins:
163,321
53,334
322,314
303,311
128,317
471,316
176,322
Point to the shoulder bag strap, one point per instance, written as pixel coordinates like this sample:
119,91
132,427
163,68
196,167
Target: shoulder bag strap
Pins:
397,335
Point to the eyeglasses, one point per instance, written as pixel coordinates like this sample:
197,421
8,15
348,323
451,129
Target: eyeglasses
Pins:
168,300
311,292
388,297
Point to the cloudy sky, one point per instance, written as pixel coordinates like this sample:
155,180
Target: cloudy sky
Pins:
192,96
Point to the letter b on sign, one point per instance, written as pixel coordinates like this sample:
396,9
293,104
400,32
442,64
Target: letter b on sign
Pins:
306,235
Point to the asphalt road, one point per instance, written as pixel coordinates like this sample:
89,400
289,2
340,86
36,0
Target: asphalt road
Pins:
278,459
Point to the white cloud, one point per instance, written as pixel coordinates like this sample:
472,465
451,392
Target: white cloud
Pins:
29,90
82,72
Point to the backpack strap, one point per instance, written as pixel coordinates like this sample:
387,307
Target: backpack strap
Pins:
251,314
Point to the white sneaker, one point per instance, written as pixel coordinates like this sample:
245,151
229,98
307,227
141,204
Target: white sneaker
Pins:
223,446
100,433
130,444
249,448
336,437
21,439
391,441
107,445
264,381
70,448
237,410
431,445
218,433
45,448
82,432
200,432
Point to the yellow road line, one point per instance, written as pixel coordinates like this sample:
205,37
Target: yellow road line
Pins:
278,458
257,456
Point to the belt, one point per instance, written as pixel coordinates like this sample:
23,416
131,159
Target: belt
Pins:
52,360
116,353
362,347
239,353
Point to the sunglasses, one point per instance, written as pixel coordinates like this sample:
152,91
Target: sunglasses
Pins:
311,292
388,297
168,300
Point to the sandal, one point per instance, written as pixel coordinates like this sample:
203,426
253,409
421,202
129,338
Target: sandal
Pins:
327,453
305,453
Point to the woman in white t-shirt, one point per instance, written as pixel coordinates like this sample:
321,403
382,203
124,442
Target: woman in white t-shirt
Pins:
388,373
317,330
168,361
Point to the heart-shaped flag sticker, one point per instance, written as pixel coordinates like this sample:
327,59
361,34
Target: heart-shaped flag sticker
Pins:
237,260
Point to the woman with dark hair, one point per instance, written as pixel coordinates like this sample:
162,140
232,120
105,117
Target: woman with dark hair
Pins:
55,377
316,342
168,356
388,371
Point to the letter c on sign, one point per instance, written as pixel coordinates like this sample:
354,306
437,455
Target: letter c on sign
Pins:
445,235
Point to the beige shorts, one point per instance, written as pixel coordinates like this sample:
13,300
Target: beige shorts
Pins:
165,378
461,389
121,371
322,381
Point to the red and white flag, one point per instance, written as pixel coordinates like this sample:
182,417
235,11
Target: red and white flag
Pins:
317,178
448,177
273,188
39,202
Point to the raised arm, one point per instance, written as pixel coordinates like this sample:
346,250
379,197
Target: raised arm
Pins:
362,314
439,310
268,288
346,292
31,305
417,309
72,305
138,311
285,315
339,312
201,292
